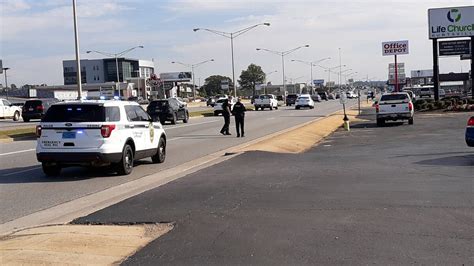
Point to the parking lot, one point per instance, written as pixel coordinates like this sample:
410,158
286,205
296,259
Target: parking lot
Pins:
399,194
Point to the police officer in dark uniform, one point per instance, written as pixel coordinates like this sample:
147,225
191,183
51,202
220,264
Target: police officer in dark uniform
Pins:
226,114
239,113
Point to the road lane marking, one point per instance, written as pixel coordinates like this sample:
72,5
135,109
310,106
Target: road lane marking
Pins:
15,152
23,171
207,122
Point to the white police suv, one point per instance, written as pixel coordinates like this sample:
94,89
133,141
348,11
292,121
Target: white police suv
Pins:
98,133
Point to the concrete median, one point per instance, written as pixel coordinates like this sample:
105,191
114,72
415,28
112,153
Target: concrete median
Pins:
303,138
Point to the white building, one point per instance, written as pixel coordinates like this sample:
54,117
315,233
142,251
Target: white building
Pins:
105,70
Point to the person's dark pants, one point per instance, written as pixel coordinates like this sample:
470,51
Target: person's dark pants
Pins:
225,128
239,125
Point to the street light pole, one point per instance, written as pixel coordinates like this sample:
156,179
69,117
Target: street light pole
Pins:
231,36
283,54
116,55
311,64
78,59
192,66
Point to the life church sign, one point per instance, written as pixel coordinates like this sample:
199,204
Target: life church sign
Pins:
452,22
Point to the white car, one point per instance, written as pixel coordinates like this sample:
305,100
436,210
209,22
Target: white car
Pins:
266,101
218,105
8,110
98,133
304,100
425,92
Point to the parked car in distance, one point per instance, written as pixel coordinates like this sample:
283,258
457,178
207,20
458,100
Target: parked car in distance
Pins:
470,132
351,94
441,93
280,100
210,102
394,106
411,93
98,133
218,105
425,92
36,108
324,95
304,100
266,101
291,99
139,100
8,110
315,97
168,110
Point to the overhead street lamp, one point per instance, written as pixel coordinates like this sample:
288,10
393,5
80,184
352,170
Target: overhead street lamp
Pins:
116,55
311,64
295,79
282,54
231,36
6,80
329,70
192,66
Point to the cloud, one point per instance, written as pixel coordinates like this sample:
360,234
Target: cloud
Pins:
10,6
42,32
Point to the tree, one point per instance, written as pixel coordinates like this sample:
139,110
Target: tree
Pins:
250,77
212,84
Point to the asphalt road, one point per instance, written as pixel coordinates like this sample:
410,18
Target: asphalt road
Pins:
396,195
24,189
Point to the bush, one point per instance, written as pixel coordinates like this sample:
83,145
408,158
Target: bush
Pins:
430,106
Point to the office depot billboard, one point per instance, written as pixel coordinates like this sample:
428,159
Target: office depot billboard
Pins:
395,48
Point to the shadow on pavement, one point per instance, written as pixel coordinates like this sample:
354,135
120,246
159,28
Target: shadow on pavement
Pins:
467,160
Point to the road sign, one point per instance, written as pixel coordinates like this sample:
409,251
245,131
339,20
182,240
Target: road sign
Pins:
451,22
342,97
466,57
395,48
318,81
458,47
225,84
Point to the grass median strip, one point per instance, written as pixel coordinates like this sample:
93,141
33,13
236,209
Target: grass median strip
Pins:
17,133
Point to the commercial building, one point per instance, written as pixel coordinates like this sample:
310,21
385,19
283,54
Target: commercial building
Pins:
99,71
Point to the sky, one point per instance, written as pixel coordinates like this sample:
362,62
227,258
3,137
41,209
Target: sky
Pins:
36,35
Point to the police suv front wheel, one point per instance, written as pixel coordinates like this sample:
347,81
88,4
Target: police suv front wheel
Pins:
160,155
125,166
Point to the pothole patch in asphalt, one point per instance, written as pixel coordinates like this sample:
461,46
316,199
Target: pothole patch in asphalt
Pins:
78,244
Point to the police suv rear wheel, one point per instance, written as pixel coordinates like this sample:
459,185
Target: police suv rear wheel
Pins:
51,169
125,166
160,155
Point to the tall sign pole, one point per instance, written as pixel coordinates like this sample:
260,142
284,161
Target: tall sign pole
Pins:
78,59
396,74
472,67
435,70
